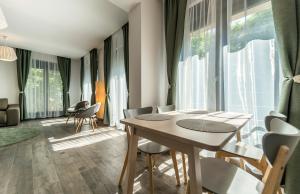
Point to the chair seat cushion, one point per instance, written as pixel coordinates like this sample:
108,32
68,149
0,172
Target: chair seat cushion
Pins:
71,110
243,150
150,147
222,177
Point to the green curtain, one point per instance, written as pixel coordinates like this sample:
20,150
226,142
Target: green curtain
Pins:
287,26
174,30
64,66
94,73
81,76
125,29
107,64
23,66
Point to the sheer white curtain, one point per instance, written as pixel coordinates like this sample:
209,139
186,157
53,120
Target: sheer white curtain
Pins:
44,87
195,83
118,89
251,66
87,87
229,59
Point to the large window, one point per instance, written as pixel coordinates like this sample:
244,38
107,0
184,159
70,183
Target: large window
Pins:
44,88
229,59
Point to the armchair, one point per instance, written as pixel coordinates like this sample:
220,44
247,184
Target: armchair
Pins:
9,113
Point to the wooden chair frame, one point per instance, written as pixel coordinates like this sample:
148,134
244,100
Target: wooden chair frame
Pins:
92,122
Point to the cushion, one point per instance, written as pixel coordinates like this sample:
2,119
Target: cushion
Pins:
13,115
3,117
3,103
71,110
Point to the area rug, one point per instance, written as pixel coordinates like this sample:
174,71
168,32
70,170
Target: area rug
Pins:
10,136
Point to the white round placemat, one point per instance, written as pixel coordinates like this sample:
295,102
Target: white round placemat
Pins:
206,126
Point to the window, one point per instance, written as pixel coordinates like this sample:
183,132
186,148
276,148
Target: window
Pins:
229,60
44,88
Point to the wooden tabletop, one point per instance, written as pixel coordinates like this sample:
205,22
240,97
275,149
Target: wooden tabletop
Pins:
204,140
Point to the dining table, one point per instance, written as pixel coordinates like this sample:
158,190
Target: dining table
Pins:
191,142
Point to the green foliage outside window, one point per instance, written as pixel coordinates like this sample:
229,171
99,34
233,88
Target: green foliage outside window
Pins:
255,26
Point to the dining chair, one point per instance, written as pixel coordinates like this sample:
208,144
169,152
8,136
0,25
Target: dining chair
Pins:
89,113
167,108
170,108
245,152
148,147
73,110
219,176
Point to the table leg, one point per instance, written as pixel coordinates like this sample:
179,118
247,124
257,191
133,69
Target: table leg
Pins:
195,171
130,170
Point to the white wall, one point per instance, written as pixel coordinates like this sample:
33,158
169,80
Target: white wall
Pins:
145,53
9,82
151,51
75,91
135,47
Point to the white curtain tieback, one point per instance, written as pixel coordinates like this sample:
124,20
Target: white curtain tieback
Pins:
296,79
21,92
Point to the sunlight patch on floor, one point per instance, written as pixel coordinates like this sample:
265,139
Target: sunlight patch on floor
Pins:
84,138
51,122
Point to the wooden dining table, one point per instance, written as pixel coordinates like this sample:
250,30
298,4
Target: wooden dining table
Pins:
188,141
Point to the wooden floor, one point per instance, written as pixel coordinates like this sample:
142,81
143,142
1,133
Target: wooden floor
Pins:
60,161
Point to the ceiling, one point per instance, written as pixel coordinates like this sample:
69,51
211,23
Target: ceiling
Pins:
126,5
68,28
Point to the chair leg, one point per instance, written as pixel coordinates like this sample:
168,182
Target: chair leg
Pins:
150,169
91,123
94,125
68,118
173,155
184,168
188,190
80,122
95,122
123,169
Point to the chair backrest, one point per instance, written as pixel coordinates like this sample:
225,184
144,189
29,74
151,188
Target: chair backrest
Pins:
167,108
278,146
281,133
92,110
130,113
81,104
271,116
3,103
97,107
